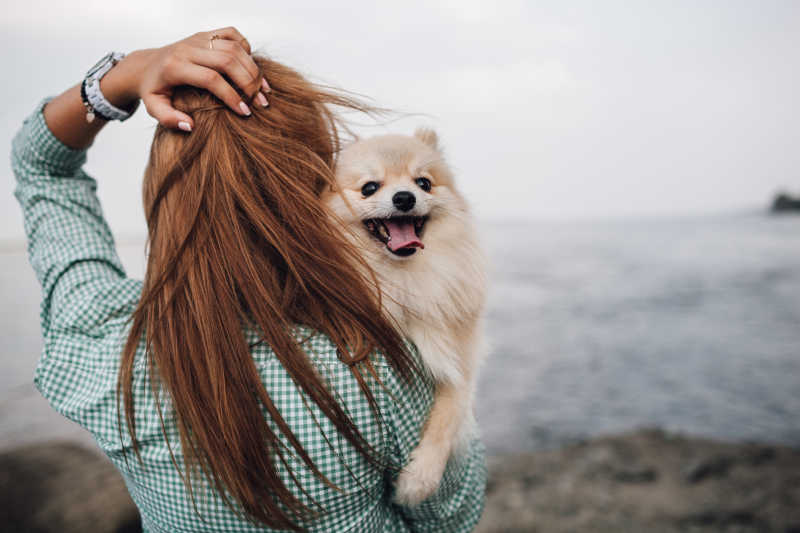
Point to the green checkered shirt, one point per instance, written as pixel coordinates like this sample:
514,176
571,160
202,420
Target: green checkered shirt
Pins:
87,302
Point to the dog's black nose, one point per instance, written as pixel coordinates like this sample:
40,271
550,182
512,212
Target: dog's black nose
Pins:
404,200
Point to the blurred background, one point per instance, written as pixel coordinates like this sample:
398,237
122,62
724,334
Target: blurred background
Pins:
624,160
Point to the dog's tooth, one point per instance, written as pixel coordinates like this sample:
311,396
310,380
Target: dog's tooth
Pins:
384,232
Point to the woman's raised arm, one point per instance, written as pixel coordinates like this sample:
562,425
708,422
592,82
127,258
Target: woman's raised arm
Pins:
151,74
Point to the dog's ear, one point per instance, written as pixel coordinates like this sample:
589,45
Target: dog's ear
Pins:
428,136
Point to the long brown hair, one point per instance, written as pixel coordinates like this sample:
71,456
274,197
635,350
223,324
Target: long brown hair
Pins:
238,237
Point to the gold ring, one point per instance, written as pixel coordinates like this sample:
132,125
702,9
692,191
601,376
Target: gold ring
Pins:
211,41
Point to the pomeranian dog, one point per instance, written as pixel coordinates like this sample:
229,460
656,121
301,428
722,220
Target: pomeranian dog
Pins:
398,202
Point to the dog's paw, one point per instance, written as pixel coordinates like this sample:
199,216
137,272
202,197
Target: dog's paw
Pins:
420,478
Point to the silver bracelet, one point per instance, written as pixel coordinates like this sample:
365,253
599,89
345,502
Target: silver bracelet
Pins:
93,99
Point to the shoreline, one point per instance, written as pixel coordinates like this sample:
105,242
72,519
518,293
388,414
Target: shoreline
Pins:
641,480
646,480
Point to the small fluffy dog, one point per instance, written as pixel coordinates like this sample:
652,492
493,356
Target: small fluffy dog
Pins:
398,201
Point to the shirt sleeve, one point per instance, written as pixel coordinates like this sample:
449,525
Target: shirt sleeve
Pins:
86,296
458,503
70,245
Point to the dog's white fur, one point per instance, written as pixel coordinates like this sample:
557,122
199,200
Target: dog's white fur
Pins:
436,296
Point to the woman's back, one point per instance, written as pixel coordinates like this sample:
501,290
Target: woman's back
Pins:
157,488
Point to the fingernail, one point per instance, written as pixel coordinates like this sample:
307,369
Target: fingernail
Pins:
244,108
262,99
185,126
265,85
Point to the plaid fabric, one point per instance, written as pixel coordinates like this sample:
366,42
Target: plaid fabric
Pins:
87,301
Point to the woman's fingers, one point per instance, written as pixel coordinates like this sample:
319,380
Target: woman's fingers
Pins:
211,80
243,56
230,33
159,106
230,58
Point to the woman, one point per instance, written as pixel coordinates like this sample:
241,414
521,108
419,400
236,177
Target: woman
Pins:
250,381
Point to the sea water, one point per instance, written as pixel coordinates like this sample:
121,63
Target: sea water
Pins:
689,324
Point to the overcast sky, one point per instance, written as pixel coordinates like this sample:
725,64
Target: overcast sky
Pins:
546,109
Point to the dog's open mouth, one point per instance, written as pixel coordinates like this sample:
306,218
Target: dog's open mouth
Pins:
401,235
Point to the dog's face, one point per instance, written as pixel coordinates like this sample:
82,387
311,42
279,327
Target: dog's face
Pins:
395,190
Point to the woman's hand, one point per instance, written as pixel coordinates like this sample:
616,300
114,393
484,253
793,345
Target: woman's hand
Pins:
197,60
151,75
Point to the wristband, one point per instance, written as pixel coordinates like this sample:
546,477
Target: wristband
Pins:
92,97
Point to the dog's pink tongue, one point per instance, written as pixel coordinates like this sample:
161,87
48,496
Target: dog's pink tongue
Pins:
402,235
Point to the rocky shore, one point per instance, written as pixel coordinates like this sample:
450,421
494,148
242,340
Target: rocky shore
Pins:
63,487
644,481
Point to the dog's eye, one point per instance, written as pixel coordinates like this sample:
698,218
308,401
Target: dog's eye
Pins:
369,188
423,183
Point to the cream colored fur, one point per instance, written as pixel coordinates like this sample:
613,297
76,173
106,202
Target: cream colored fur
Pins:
436,296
